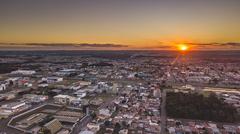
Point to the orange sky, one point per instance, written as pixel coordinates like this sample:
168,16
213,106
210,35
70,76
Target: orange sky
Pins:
139,24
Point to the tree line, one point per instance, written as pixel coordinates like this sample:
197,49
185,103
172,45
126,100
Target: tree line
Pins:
197,106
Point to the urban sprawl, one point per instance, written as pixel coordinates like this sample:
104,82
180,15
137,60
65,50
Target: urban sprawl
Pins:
138,93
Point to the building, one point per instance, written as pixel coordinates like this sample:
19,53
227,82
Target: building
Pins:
63,99
157,93
52,79
3,87
33,98
12,81
66,72
12,108
80,93
24,72
31,120
93,127
105,112
53,126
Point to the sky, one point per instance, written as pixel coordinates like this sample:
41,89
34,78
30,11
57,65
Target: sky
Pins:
120,24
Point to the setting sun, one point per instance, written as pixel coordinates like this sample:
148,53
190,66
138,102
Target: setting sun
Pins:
183,47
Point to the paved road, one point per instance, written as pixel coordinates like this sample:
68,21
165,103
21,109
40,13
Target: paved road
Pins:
163,113
81,124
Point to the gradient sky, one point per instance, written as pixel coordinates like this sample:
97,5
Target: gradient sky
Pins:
136,23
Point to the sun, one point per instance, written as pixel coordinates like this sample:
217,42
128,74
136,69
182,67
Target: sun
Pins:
182,47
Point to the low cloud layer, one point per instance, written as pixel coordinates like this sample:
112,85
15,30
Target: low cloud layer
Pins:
160,46
228,44
82,45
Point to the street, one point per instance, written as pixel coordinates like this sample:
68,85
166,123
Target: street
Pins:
163,113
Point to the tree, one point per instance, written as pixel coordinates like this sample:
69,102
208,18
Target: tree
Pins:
107,123
93,115
196,106
124,124
117,128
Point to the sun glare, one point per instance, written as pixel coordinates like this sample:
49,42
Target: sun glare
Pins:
183,47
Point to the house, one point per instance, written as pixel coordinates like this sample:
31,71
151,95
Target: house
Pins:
83,83
80,84
171,130
80,93
63,99
124,131
3,87
93,127
105,112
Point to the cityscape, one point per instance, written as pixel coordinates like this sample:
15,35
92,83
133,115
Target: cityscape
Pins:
120,67
119,92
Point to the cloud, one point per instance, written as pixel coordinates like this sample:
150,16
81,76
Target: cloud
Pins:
228,44
100,45
233,44
81,45
166,47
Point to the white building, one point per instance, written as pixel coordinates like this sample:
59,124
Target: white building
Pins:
13,80
63,99
3,87
93,127
35,97
65,72
80,93
24,72
13,107
105,112
43,85
52,79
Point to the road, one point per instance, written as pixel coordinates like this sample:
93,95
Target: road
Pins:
81,124
163,113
